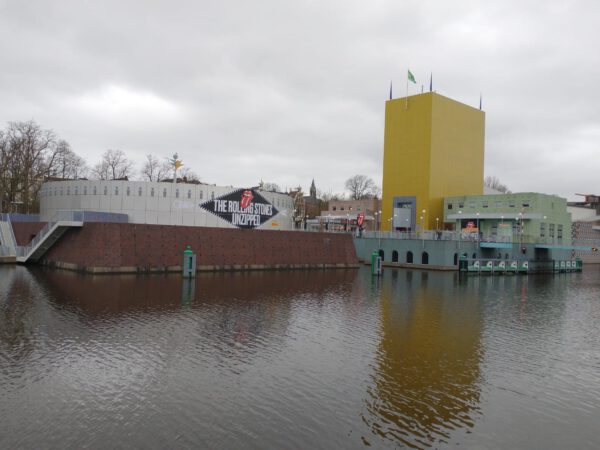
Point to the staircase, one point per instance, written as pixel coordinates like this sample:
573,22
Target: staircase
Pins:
8,244
48,235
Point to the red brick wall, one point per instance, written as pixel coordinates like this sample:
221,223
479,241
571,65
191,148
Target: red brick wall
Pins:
157,246
25,231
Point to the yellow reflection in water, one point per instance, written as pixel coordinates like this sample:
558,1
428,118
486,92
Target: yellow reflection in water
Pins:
428,360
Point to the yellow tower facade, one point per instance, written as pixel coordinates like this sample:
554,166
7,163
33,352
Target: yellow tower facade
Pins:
433,148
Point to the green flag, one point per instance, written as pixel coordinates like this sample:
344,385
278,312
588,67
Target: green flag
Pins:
411,77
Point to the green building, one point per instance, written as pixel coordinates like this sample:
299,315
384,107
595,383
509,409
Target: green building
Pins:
503,220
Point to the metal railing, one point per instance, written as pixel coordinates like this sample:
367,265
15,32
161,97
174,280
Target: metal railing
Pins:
10,249
60,216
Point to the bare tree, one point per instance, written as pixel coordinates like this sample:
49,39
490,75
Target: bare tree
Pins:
494,183
64,163
154,169
361,187
271,187
188,174
27,149
113,166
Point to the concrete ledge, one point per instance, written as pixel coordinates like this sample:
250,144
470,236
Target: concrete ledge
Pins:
416,266
8,259
200,268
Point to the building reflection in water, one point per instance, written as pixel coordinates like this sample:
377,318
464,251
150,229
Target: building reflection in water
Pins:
427,368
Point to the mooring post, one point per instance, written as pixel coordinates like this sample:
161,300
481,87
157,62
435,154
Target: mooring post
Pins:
189,263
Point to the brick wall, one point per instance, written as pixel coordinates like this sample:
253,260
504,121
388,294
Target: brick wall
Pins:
26,231
113,245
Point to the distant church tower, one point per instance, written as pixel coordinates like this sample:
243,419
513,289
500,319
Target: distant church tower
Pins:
313,189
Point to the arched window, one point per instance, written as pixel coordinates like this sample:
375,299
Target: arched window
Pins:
382,255
394,256
474,255
105,190
128,191
456,259
151,192
176,193
189,194
201,195
409,257
425,258
164,192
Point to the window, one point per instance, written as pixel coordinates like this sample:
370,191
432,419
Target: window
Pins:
212,195
559,231
542,229
497,204
105,190
526,204
189,194
484,203
140,191
551,230
164,192
334,209
449,205
128,191
176,193
76,190
461,205
68,190
471,205
61,192
85,190
116,190
511,203
151,192
95,192
201,195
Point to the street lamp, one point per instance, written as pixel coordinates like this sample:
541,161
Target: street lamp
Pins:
459,226
437,224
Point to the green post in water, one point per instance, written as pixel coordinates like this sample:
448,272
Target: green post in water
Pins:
189,263
374,256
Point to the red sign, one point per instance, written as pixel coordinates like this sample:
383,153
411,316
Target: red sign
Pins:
246,199
360,219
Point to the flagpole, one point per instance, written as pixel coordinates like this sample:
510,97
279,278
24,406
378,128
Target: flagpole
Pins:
406,107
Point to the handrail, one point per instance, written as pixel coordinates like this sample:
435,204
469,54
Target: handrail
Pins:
60,216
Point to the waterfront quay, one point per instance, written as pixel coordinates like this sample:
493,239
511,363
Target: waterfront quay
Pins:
443,250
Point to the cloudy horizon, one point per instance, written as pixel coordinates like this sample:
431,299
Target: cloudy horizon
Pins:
292,92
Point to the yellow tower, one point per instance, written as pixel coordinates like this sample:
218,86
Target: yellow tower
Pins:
433,148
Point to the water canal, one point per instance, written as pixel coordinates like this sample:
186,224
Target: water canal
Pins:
305,359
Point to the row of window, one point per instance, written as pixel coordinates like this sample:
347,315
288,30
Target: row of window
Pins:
60,191
486,204
559,230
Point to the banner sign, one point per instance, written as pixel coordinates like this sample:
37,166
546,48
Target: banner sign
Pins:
360,219
243,208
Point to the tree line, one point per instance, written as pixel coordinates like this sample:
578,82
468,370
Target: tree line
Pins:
30,154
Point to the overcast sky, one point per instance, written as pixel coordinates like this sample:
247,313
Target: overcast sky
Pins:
288,91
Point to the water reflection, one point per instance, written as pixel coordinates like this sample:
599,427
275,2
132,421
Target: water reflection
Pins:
425,382
331,359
